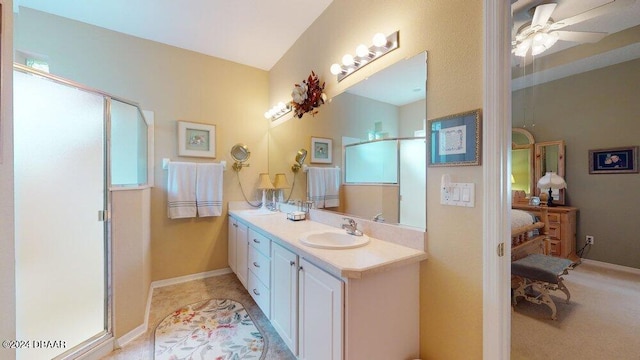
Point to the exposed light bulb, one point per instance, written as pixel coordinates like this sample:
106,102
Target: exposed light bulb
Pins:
347,60
379,40
362,51
267,114
336,69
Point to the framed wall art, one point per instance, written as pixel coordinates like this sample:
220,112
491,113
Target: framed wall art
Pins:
321,150
454,140
620,160
196,139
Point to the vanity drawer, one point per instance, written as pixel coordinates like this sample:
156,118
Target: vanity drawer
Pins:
260,265
260,242
260,293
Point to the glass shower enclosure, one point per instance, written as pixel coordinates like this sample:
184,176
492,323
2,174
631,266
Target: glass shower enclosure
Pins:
63,167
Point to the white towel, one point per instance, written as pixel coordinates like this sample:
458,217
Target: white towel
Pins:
209,189
315,186
181,190
323,186
332,187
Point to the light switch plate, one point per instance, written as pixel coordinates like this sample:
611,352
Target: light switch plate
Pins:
460,194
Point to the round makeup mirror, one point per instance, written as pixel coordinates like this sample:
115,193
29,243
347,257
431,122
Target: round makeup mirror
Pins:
240,153
300,156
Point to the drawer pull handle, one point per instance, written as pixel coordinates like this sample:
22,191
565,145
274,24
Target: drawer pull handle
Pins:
256,292
256,264
256,241
292,263
300,268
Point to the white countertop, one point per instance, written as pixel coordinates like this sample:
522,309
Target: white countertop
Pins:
376,256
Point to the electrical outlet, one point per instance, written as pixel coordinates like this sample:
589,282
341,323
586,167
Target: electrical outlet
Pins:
589,239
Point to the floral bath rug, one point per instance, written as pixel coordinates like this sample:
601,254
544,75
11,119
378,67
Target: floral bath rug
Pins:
215,329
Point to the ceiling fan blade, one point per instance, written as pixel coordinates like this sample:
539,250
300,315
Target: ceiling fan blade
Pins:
613,5
542,14
581,36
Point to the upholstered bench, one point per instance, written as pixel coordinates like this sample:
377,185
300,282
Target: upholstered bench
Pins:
538,274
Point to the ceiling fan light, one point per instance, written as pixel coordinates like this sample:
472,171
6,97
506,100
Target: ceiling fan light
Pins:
551,39
537,49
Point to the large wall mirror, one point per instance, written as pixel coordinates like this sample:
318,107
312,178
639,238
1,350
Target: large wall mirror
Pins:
522,166
377,129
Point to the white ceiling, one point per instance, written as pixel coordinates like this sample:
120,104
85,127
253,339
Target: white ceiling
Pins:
251,32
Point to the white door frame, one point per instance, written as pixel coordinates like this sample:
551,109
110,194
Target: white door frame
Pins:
496,167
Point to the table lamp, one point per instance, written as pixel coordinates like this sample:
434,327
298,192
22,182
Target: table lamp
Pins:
280,184
265,184
551,181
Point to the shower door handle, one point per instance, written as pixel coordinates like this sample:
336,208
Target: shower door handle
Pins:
103,215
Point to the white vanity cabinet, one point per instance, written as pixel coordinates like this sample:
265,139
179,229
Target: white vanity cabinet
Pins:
238,249
260,270
284,295
334,304
320,297
307,306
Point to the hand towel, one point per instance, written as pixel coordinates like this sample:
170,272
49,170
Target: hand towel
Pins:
332,187
315,186
181,190
209,189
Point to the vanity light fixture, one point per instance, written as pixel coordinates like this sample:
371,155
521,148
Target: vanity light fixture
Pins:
382,45
278,111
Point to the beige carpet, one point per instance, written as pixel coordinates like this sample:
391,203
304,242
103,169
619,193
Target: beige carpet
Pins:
167,299
601,321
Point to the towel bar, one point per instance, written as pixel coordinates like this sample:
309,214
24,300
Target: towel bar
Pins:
305,167
166,161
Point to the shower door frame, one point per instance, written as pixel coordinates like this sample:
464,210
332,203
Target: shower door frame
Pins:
106,335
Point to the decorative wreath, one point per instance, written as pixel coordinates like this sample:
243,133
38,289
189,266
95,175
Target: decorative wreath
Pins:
308,96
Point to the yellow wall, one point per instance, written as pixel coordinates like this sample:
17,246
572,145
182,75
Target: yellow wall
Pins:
451,32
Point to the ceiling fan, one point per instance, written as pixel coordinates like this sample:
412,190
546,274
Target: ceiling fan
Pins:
543,32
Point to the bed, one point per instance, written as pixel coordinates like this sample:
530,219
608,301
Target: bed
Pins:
533,271
529,234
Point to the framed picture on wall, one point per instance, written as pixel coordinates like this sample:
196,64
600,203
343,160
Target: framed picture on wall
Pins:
196,139
621,160
321,150
454,140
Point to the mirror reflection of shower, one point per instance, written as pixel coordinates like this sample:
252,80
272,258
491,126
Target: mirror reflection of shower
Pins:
240,154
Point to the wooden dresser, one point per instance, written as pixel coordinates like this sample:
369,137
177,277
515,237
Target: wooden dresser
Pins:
562,229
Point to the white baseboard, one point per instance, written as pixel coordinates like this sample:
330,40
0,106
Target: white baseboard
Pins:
131,335
100,351
612,266
182,279
128,337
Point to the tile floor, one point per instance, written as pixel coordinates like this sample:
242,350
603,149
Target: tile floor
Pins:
167,299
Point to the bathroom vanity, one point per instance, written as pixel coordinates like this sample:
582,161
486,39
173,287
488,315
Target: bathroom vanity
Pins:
349,303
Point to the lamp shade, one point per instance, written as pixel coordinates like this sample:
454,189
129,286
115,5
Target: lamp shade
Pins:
281,182
551,180
513,179
265,182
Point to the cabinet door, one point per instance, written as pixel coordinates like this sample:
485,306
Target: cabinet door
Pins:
233,224
284,295
321,314
242,254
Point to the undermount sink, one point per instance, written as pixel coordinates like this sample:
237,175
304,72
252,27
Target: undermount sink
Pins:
257,212
333,239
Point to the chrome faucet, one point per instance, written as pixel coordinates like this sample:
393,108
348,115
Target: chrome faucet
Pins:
351,227
378,218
